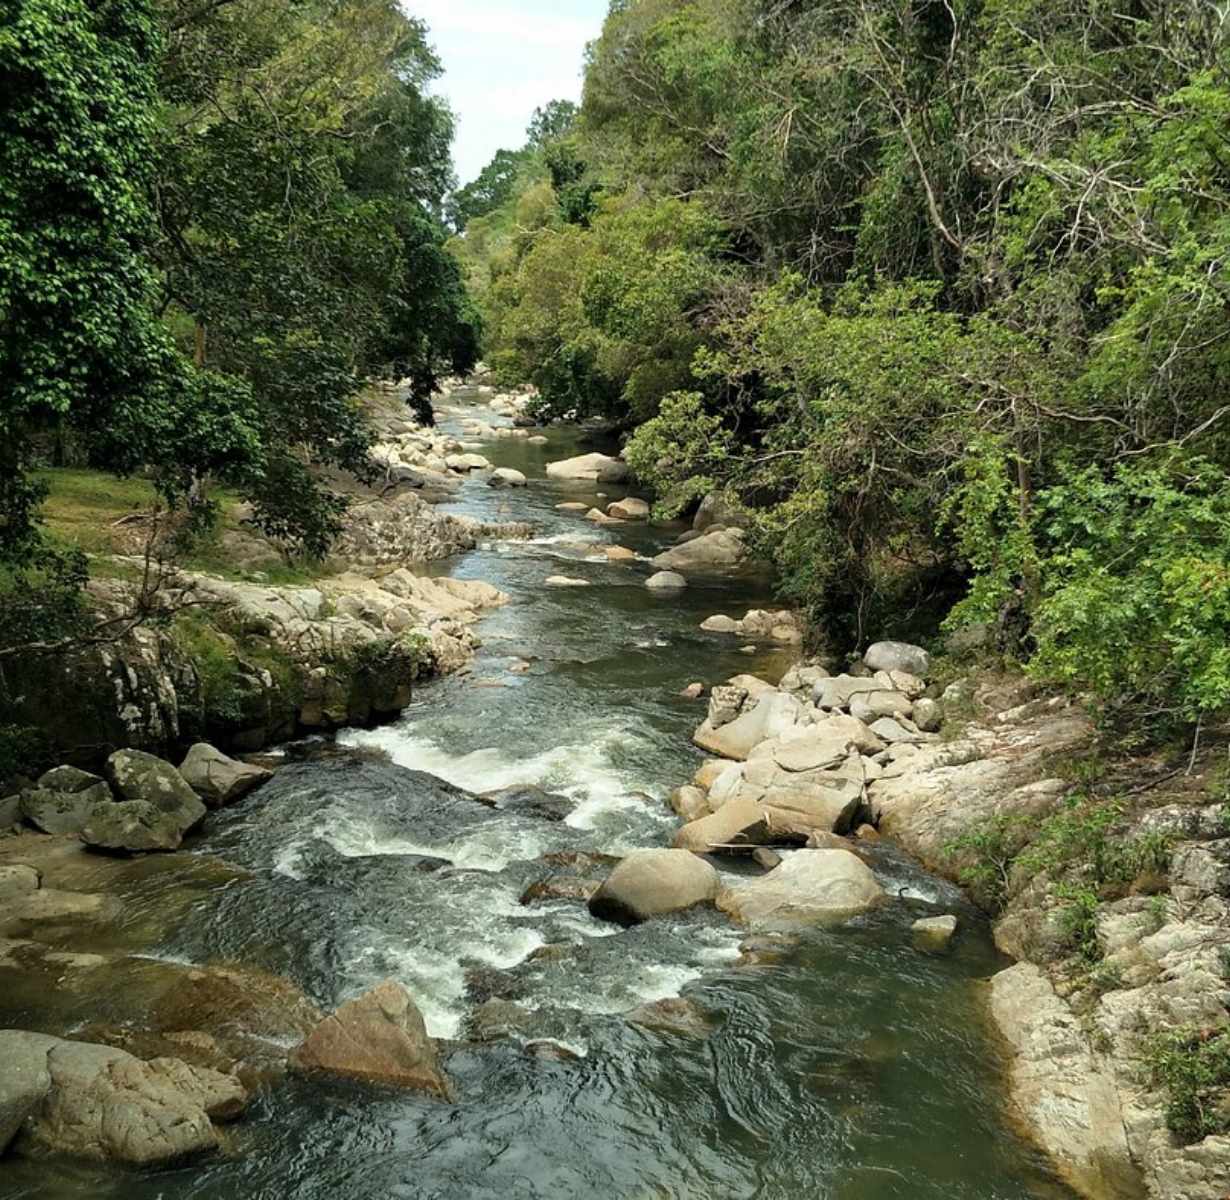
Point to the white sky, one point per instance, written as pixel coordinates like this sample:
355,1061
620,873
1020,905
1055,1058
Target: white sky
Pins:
502,59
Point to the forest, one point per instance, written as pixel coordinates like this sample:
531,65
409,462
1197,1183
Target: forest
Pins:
936,289
219,221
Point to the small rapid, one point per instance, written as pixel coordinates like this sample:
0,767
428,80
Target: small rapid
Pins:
847,1068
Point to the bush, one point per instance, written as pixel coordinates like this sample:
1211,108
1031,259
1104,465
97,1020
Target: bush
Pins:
1193,1066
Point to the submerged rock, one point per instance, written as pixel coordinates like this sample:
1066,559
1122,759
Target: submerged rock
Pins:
380,1037
933,935
810,887
678,1016
650,883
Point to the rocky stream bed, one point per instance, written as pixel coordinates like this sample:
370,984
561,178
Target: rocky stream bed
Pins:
580,929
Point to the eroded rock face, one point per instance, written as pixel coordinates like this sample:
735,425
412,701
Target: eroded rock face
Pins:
102,1104
380,1037
650,883
811,887
1069,1103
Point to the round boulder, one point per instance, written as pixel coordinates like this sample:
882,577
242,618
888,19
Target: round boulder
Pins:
649,883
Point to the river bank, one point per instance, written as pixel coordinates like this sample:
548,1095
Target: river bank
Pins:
455,851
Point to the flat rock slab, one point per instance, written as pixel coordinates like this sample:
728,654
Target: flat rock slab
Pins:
811,887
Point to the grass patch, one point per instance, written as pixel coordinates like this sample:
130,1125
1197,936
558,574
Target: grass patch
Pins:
83,509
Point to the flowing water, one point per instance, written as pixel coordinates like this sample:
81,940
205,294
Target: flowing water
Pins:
852,1069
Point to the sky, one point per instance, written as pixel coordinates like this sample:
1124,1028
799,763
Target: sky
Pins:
503,59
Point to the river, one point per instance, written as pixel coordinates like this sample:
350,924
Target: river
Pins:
853,1069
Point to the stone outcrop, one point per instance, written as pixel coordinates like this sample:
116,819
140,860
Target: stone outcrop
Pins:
650,883
379,1037
78,1100
1069,1103
406,529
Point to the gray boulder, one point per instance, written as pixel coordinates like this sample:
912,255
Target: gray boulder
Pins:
715,553
630,508
739,822
158,808
217,779
60,812
898,656
506,477
25,1080
10,812
811,887
928,715
718,509
75,781
649,883
775,715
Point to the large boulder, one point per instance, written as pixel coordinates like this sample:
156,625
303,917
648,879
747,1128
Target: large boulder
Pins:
506,477
600,468
810,887
25,1080
649,883
60,812
64,800
103,1104
217,779
380,1037
898,656
775,715
713,553
1067,1097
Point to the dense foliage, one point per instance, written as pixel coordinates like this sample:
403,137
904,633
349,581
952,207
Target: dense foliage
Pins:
218,223
938,289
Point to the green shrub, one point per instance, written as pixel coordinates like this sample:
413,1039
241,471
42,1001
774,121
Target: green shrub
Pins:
1193,1066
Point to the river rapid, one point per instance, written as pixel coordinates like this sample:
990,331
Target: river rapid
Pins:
851,1069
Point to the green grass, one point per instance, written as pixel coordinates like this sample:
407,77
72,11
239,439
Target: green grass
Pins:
83,509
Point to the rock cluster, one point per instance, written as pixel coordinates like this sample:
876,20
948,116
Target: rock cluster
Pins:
783,626
143,804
